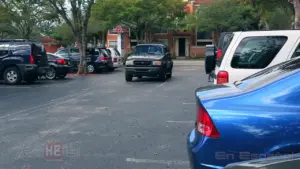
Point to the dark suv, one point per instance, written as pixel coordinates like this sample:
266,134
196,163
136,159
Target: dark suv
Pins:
97,59
152,60
22,60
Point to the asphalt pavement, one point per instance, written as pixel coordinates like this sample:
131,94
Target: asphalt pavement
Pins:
99,122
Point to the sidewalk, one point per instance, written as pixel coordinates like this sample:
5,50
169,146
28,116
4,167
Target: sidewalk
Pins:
188,62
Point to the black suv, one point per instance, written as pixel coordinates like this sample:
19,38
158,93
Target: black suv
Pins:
22,60
152,60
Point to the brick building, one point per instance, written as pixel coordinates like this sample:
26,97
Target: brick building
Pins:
183,44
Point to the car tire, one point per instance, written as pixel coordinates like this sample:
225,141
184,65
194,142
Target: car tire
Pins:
163,76
128,77
51,73
169,75
111,69
91,68
12,76
62,76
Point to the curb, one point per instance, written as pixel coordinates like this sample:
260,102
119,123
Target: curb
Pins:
74,74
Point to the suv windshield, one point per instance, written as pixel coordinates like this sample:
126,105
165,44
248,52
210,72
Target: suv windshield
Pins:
270,74
148,49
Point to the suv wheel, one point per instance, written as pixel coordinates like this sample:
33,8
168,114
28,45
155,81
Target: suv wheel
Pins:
163,76
169,75
128,77
90,68
51,73
12,76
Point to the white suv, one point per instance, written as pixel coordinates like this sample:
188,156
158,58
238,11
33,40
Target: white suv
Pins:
116,57
249,52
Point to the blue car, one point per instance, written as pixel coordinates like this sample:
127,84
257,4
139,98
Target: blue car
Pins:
253,118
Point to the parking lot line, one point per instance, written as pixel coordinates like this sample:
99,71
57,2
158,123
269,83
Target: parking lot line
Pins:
189,122
168,162
188,103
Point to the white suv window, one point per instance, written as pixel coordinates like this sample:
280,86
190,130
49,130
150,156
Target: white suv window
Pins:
257,52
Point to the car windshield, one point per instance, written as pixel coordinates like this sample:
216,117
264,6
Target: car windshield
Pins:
148,49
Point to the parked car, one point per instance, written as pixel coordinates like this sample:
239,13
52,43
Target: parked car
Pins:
22,59
258,115
72,54
59,66
149,60
276,162
116,57
249,52
98,59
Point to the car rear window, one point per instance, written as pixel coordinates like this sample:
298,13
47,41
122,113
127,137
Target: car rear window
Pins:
38,50
257,52
270,74
224,49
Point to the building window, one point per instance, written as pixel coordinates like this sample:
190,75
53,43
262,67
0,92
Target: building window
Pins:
133,42
204,38
111,31
113,44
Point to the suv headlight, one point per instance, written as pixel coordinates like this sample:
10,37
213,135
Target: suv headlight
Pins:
129,62
156,63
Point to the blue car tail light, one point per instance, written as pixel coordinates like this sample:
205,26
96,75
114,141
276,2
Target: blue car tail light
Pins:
204,124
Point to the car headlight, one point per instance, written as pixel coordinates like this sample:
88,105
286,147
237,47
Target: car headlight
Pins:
156,63
129,62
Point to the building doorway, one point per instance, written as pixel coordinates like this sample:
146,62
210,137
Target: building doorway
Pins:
181,46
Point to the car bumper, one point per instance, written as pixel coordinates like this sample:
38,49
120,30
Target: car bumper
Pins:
196,154
63,69
144,71
116,65
32,70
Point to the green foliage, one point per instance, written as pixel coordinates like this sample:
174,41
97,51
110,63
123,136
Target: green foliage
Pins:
279,18
63,34
23,18
224,15
139,15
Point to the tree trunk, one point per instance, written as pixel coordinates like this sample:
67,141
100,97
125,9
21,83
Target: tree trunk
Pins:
82,50
297,13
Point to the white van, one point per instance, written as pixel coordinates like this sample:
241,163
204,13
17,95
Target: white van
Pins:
116,57
249,52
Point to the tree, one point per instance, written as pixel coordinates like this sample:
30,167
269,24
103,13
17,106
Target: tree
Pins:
25,16
80,11
224,15
141,16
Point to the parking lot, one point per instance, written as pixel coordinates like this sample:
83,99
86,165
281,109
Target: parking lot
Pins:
100,121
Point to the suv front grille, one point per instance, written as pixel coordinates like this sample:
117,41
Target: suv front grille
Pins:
142,63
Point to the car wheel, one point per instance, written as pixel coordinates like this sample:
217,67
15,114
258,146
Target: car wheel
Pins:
12,76
169,75
91,68
163,76
51,73
128,77
62,76
111,69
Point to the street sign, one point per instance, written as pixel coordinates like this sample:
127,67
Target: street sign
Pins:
119,29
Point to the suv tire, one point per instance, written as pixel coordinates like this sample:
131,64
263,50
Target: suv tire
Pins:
12,76
163,76
128,77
